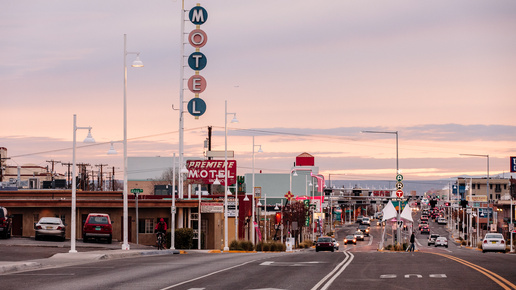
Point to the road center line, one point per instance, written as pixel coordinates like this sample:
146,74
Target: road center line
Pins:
342,264
491,275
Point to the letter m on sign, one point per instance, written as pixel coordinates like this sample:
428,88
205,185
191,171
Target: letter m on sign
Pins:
198,15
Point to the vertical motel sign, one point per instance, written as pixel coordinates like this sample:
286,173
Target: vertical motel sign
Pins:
197,61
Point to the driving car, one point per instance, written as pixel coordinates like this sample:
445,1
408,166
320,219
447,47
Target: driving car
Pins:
441,241
350,239
359,218
359,235
97,226
364,229
422,223
431,239
441,221
425,230
335,244
366,221
324,243
493,242
50,227
424,218
5,223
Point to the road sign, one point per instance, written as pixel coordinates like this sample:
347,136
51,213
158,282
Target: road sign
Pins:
399,185
196,107
399,178
399,193
136,190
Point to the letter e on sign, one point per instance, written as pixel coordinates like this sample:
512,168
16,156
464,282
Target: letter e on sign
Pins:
197,84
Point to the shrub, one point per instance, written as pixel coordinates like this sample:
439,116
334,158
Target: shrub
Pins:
184,238
234,246
266,247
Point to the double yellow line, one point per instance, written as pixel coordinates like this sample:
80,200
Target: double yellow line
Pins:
493,276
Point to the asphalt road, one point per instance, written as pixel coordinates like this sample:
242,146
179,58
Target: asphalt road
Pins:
358,266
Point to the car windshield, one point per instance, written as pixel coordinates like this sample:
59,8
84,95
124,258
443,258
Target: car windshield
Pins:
434,236
50,221
98,220
358,233
350,237
324,240
493,236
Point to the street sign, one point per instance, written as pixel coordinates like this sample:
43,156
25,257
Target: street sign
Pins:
196,107
399,185
136,190
399,178
399,193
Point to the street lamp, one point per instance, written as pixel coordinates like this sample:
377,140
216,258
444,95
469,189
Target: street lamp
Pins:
487,181
136,63
89,139
234,120
253,206
398,232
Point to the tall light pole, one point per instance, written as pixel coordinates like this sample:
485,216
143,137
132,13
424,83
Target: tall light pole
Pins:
234,120
253,205
137,63
88,139
487,182
398,232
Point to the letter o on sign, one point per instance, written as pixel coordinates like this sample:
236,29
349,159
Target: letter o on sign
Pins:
197,38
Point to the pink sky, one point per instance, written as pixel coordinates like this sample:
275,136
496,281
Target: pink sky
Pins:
302,76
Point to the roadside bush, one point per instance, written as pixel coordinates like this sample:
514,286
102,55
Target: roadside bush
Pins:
241,246
234,246
306,244
184,238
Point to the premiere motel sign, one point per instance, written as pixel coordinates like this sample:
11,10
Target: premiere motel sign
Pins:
206,171
197,61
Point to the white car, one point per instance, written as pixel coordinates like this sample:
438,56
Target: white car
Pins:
366,221
493,242
441,221
441,241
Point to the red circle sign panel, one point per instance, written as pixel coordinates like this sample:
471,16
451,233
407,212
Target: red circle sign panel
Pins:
399,193
197,84
197,38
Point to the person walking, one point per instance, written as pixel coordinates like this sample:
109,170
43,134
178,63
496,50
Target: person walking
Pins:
412,240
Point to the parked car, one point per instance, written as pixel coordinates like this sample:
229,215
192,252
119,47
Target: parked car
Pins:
425,230
5,223
97,226
335,244
441,241
350,239
431,239
324,244
50,227
366,221
493,242
364,228
359,235
441,221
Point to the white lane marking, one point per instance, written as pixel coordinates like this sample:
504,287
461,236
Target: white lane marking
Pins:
207,275
388,276
339,268
268,263
370,240
328,284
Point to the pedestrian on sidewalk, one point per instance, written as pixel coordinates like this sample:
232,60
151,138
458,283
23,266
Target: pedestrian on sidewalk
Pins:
412,240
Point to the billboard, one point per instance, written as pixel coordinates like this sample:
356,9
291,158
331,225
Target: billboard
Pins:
206,171
513,164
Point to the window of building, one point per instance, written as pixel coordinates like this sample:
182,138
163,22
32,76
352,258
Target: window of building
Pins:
498,188
145,226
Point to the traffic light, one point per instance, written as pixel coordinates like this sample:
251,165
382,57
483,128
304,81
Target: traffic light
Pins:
278,218
464,203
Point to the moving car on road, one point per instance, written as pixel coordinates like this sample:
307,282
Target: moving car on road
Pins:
425,230
350,239
441,221
359,235
493,242
335,244
441,241
324,244
431,239
364,229
50,227
366,221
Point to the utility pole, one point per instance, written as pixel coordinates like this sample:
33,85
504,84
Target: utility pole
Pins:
84,175
101,183
113,179
67,174
52,170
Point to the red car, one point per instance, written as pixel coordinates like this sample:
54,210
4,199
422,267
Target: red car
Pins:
324,243
97,226
5,223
